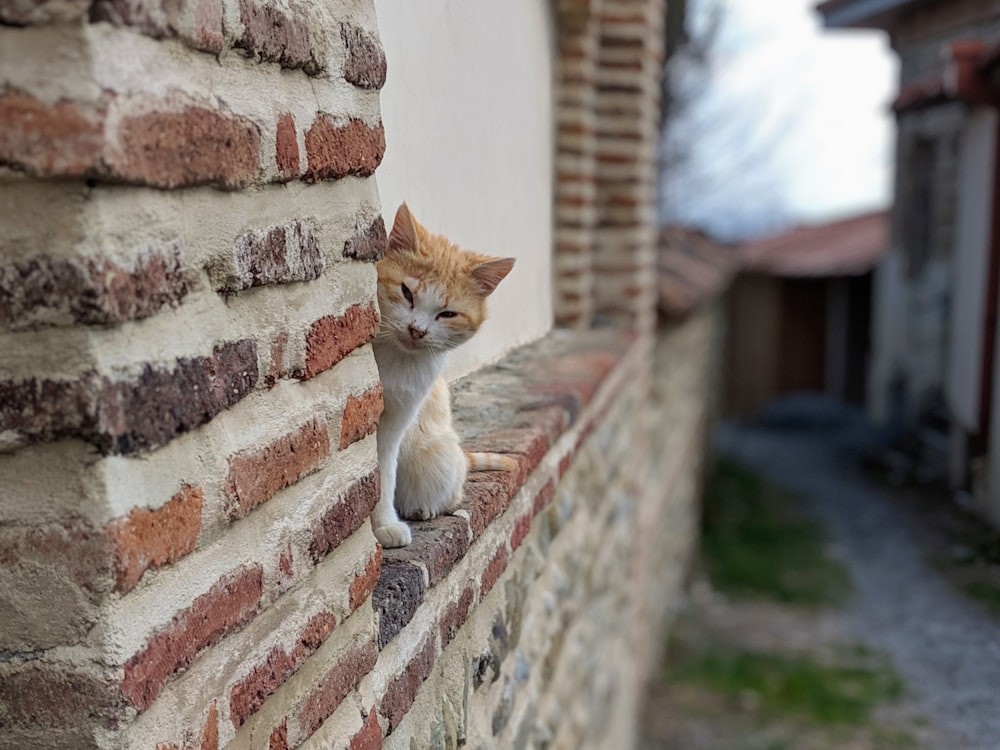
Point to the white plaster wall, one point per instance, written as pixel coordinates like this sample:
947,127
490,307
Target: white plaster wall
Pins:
468,114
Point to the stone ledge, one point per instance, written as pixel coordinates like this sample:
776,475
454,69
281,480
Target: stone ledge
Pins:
520,406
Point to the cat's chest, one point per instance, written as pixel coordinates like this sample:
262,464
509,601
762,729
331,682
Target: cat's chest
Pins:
406,376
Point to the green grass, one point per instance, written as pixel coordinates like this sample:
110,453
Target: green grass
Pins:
792,685
757,541
987,594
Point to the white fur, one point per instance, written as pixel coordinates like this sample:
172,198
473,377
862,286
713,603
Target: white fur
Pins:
406,378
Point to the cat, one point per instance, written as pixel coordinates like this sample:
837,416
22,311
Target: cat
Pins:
432,297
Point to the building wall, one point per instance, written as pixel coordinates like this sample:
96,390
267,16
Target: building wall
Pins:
189,404
470,134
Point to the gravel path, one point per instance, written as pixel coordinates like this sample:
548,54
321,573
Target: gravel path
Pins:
944,647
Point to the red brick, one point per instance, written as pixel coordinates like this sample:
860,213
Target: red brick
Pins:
62,139
456,615
276,255
345,516
277,33
361,415
367,243
193,146
485,501
225,608
364,583
279,737
364,64
334,151
255,476
98,291
544,497
521,528
286,149
402,691
249,694
150,539
493,571
369,737
336,685
333,337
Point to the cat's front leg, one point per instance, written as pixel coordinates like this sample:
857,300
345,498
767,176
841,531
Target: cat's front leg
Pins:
388,529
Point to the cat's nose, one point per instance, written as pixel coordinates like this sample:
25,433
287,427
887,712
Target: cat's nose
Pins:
417,333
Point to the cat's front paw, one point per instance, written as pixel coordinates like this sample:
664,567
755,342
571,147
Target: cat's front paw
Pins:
393,534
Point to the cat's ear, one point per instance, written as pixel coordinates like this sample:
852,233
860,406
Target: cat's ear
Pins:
403,237
487,275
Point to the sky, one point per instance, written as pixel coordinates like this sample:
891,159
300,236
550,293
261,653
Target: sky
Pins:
789,123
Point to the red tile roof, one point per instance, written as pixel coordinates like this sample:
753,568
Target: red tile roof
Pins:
693,269
842,248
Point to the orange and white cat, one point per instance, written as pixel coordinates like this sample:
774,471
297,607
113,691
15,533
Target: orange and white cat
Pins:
432,297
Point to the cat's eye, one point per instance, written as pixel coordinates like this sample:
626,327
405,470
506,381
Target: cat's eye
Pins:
447,314
407,293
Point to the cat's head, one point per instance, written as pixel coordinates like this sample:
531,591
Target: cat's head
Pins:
431,293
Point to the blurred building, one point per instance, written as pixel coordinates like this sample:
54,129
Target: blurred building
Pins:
934,369
800,311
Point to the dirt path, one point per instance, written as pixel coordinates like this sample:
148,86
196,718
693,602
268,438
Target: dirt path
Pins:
944,646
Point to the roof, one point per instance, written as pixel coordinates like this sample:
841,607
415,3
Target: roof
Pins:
693,269
849,247
870,14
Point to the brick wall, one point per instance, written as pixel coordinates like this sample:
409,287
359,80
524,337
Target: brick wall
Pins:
188,405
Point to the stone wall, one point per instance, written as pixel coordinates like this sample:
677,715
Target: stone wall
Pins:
188,405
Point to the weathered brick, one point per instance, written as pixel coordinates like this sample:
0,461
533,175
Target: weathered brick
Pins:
279,33
345,516
31,12
355,663
367,243
153,18
521,528
73,550
98,291
364,583
333,337
493,571
361,415
544,497
338,150
402,691
208,26
149,539
255,476
279,737
398,593
456,615
437,544
192,146
225,608
56,695
527,444
485,501
127,416
369,737
278,367
206,739
65,138
276,255
249,694
286,148
365,64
